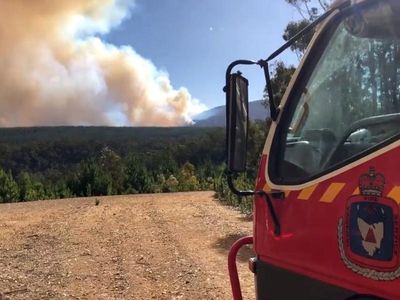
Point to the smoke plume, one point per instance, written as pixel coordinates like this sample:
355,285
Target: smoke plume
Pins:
55,70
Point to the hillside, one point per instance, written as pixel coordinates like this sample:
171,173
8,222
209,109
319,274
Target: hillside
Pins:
130,135
60,162
36,149
216,117
65,162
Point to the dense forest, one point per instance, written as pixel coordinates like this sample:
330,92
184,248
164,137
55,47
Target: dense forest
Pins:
58,162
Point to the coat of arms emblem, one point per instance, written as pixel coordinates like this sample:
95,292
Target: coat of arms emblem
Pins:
368,233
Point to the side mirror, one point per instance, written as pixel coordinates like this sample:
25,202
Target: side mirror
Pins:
237,122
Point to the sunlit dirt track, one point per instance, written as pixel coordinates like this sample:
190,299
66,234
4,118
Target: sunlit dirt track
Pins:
159,246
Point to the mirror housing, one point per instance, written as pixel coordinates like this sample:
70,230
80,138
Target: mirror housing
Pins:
237,122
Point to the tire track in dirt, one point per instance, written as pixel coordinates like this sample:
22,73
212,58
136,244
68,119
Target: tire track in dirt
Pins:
33,262
164,246
182,277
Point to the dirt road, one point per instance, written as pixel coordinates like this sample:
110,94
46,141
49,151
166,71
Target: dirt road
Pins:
162,246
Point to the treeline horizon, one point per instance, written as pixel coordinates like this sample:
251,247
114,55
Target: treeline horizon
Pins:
39,163
64,162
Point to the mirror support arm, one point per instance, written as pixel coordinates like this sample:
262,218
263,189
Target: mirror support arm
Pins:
229,71
266,196
264,65
234,190
274,113
264,62
275,220
308,29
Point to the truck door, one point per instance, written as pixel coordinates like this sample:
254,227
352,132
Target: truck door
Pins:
335,152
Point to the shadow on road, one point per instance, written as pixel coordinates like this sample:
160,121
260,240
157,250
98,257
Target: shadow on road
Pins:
224,244
246,218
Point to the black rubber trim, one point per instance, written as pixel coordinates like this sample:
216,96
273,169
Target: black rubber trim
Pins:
273,283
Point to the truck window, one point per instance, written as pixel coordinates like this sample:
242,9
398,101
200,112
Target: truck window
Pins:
348,106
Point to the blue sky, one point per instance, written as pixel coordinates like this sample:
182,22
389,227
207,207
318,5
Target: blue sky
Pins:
195,40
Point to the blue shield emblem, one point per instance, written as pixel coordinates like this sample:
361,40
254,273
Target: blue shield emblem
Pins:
369,233
371,230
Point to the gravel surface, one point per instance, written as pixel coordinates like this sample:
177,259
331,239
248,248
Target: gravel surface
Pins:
158,246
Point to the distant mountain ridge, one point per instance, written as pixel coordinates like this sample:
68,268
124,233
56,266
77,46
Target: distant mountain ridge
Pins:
215,117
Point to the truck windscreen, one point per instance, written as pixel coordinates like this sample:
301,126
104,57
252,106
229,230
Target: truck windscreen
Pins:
350,102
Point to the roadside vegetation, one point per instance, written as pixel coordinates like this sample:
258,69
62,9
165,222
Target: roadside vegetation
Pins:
65,162
256,139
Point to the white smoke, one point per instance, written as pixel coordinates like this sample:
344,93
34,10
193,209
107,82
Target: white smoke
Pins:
54,70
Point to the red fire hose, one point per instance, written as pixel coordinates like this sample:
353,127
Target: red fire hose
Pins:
233,273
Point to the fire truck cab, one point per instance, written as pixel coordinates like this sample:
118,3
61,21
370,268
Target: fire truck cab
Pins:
327,195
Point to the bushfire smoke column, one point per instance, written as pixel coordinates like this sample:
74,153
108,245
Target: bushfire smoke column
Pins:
56,70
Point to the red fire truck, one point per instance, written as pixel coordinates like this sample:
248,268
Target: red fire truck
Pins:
327,195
